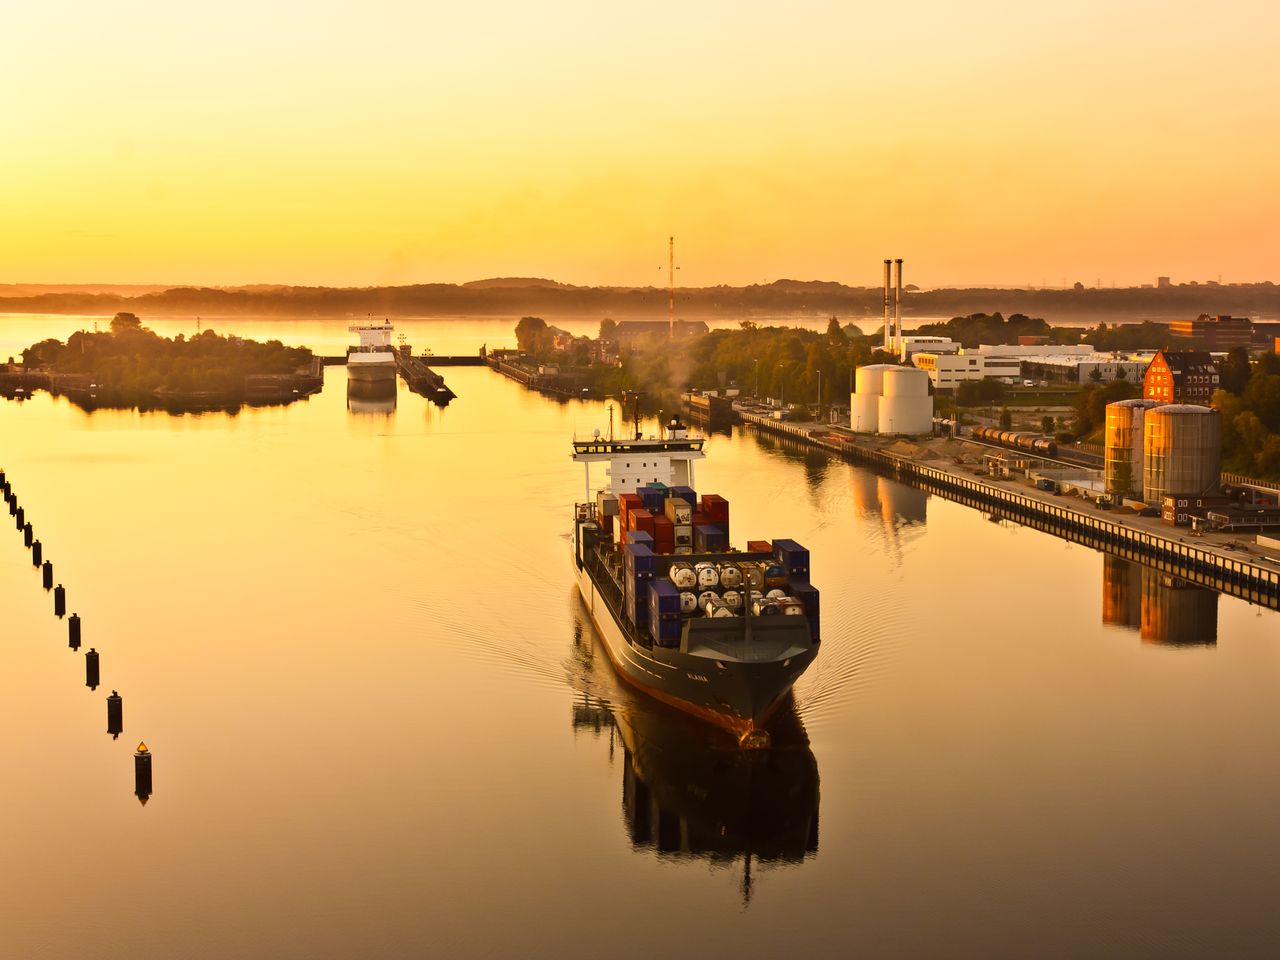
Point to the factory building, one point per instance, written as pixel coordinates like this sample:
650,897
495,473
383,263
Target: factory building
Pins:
1031,350
1214,333
1074,368
1180,376
949,371
910,346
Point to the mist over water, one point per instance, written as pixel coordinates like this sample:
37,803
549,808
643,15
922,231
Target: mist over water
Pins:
348,632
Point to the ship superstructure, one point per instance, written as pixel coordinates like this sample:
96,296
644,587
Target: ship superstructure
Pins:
373,359
718,632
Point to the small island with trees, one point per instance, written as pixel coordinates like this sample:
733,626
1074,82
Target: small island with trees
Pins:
132,366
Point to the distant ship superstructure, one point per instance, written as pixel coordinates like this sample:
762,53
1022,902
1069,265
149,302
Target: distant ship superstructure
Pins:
373,359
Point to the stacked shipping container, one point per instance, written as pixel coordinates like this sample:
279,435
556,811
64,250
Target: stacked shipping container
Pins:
659,521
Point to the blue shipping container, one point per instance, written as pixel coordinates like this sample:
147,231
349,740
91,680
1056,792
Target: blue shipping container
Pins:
640,558
664,597
685,493
708,538
808,595
793,557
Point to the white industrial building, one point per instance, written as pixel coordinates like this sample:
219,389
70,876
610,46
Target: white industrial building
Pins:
1030,350
947,372
910,346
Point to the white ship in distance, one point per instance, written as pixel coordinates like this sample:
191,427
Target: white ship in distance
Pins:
373,360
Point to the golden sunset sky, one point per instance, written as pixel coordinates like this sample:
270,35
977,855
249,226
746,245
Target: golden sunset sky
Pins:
382,143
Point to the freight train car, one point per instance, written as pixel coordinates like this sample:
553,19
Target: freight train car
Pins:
1017,440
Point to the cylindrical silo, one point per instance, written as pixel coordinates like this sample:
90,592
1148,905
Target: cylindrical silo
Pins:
1123,445
869,379
864,412
906,407
905,382
1181,451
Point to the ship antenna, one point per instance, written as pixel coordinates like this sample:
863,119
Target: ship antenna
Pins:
611,423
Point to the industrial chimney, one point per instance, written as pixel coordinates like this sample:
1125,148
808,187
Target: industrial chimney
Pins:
888,296
897,312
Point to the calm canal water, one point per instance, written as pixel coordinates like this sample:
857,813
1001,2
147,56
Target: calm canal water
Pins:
382,725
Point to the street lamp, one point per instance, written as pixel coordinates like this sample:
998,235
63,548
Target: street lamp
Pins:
755,365
782,388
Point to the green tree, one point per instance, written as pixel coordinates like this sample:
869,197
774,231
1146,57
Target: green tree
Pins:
533,337
122,322
1095,374
1006,419
1046,424
608,329
1234,371
835,332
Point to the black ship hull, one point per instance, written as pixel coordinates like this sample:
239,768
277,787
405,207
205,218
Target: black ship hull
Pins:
737,695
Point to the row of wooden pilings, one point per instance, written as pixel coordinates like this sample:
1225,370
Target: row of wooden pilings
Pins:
92,659
1209,568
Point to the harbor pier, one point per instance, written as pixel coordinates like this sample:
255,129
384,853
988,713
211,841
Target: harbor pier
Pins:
1212,561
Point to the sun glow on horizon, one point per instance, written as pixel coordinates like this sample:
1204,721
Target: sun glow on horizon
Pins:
389,143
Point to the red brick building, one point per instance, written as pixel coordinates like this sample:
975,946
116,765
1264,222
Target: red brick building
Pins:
1180,376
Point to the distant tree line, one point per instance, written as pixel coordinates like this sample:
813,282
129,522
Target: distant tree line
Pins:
782,297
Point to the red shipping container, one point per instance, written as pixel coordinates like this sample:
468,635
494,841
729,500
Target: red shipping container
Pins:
713,504
630,501
699,518
641,520
664,546
663,528
759,546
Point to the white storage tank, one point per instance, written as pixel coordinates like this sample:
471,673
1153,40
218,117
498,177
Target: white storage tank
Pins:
869,379
906,407
1181,451
906,416
1122,471
864,412
905,382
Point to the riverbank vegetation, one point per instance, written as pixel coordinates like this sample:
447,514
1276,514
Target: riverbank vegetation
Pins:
790,364
1250,409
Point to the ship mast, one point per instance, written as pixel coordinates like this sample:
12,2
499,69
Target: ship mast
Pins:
671,287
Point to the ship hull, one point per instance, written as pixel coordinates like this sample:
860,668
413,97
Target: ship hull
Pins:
371,371
737,696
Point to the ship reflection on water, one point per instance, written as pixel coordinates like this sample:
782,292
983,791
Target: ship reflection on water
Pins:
1164,609
377,397
687,792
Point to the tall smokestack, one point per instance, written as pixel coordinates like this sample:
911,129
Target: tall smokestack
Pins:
897,312
888,297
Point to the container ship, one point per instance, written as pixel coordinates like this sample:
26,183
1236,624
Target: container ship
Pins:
717,632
